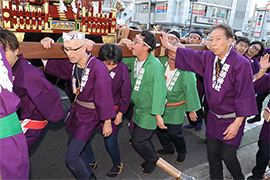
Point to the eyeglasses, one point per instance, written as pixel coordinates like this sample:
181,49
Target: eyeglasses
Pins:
169,58
67,50
254,47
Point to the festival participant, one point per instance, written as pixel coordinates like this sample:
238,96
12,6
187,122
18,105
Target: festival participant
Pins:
195,37
242,45
148,95
93,103
182,96
256,50
111,56
174,38
229,92
40,100
262,83
14,160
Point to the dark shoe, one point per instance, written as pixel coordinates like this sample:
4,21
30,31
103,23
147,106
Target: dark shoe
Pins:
143,165
189,126
198,126
164,152
253,120
92,176
115,171
148,168
93,165
181,158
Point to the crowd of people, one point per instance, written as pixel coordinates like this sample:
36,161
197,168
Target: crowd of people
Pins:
218,85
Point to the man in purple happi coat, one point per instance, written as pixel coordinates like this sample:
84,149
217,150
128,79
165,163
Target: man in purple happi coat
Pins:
229,93
90,81
111,56
40,100
14,160
262,83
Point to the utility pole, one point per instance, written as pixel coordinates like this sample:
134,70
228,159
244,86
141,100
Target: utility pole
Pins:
191,14
149,15
251,27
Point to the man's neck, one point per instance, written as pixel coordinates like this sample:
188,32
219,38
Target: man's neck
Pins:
82,62
143,57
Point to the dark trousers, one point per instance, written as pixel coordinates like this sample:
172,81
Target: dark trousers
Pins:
172,137
262,159
111,147
260,98
218,151
199,115
76,159
141,142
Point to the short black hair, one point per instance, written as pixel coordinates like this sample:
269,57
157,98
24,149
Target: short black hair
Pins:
262,47
228,29
149,38
177,34
197,32
8,40
110,52
243,39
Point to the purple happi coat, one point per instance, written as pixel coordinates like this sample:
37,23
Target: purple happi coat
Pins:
96,88
233,92
40,100
121,90
255,65
263,84
14,160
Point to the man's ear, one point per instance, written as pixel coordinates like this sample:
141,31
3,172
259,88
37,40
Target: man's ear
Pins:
17,51
230,41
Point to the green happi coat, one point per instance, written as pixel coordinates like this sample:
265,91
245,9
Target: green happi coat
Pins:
181,87
148,92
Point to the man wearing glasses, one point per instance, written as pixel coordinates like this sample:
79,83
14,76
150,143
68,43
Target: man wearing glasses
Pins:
93,103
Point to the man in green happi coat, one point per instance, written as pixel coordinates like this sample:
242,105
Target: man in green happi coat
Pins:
148,96
182,97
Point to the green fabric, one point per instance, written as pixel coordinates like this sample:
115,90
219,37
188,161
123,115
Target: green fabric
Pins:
184,89
10,126
163,60
151,98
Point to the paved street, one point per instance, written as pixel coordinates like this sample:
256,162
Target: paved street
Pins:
48,157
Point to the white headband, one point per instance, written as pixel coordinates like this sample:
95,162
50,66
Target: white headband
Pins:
172,35
67,37
196,34
143,41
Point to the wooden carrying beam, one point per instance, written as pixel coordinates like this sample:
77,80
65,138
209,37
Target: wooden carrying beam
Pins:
34,50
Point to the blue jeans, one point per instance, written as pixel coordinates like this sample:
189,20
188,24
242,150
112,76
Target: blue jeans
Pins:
76,159
262,159
111,145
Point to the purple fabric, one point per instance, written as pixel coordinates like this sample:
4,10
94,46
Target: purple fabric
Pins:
81,121
14,160
121,89
8,99
236,93
40,100
255,65
263,84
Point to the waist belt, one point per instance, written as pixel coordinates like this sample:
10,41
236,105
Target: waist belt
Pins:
175,104
10,126
32,124
89,105
225,116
